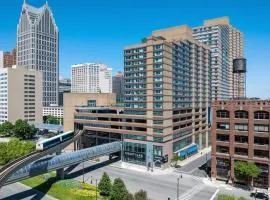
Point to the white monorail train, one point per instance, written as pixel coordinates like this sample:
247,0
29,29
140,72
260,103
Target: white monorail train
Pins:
53,141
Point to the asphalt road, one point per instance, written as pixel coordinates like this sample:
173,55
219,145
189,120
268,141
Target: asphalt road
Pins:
158,187
17,191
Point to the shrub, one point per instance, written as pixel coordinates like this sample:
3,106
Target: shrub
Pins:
83,192
88,187
70,183
225,197
140,195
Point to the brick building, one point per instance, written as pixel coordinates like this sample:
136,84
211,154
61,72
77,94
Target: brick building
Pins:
240,132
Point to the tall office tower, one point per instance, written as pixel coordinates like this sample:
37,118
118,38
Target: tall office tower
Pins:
64,87
226,44
91,78
118,86
38,48
7,59
21,95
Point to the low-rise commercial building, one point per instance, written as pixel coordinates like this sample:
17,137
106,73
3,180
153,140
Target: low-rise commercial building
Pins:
74,100
20,95
240,132
56,111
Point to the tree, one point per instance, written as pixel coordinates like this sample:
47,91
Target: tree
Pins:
6,129
119,190
52,120
3,153
141,195
246,170
23,130
175,160
129,197
105,185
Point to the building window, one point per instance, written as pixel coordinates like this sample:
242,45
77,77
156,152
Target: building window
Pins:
221,149
261,128
223,114
91,103
241,114
261,115
241,127
223,126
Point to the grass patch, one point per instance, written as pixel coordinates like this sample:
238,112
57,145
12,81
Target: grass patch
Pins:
68,189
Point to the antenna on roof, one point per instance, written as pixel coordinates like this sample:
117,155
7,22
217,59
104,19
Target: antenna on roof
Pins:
46,2
24,1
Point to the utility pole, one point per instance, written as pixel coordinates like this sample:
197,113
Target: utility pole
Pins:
178,179
96,189
83,170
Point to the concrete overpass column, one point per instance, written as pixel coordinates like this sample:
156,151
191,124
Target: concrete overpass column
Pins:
60,174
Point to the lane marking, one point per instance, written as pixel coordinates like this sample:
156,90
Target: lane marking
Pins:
214,195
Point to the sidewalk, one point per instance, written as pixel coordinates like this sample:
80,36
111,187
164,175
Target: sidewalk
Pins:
194,157
142,169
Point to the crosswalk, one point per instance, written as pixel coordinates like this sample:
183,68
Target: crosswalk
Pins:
189,194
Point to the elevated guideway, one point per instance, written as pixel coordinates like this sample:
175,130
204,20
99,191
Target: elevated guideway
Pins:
10,168
45,165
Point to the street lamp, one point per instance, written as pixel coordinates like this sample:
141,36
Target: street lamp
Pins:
96,189
178,180
83,170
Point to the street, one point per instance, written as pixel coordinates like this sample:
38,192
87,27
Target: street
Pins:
158,187
18,191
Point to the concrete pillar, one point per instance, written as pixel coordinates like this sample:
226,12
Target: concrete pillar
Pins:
60,174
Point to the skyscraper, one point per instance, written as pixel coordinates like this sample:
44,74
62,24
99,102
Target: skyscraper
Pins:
91,78
118,86
64,87
226,44
38,48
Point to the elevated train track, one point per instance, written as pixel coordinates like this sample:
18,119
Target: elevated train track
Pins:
10,168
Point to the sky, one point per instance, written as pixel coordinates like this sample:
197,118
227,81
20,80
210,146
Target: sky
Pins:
98,30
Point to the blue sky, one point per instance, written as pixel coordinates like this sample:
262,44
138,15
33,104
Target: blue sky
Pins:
98,30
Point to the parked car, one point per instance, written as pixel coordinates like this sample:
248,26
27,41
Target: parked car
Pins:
259,195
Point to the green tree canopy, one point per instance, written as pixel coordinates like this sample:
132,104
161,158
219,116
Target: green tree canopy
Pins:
23,130
105,185
52,120
246,170
119,190
14,149
141,195
6,129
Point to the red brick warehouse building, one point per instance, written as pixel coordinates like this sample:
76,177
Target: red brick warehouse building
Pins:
240,132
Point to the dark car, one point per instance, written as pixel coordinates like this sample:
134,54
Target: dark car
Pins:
259,195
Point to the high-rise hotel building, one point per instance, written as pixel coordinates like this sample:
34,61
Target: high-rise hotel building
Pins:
166,100
226,44
91,78
38,48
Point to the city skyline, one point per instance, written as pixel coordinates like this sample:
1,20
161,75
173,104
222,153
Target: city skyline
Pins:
100,38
